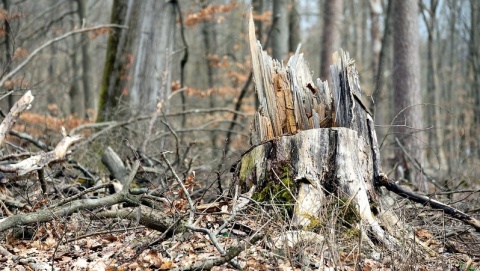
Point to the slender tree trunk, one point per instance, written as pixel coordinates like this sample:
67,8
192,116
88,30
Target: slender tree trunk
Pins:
332,15
8,47
406,84
475,71
382,106
258,9
87,78
452,149
280,30
210,44
294,27
77,95
115,64
375,13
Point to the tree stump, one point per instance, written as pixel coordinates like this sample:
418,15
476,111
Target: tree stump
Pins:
325,141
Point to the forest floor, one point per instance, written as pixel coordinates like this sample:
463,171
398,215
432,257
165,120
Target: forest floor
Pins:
82,242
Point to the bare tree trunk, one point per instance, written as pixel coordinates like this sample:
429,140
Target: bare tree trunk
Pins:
406,83
111,89
87,78
452,149
332,15
139,59
210,44
375,13
77,95
280,30
435,139
258,9
8,47
475,71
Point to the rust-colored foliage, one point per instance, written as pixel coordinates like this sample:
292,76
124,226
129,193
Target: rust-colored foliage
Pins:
207,14
98,32
38,124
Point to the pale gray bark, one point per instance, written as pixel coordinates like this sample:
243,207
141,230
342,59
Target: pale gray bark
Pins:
375,13
280,30
436,152
406,83
138,67
152,53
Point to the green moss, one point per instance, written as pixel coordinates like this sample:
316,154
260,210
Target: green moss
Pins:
279,190
315,223
352,232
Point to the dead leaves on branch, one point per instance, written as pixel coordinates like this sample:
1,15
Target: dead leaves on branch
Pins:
208,14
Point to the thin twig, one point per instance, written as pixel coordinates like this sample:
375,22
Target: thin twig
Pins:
417,165
84,192
184,189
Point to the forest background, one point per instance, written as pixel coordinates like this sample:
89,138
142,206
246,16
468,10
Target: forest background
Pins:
179,78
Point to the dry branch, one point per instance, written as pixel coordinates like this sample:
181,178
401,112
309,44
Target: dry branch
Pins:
21,105
455,213
50,42
49,214
42,159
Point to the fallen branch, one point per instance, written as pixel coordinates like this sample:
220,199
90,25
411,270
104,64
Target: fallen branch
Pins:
230,254
42,159
390,185
49,214
21,105
148,217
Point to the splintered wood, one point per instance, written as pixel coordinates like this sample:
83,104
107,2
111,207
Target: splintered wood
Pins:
290,101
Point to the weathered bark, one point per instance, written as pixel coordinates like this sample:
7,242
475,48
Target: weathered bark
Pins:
110,90
138,65
114,164
308,143
21,105
406,83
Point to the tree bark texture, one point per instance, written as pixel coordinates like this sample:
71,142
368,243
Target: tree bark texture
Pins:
138,65
406,84
309,141
280,30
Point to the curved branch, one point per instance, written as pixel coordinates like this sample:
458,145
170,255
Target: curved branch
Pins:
50,42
